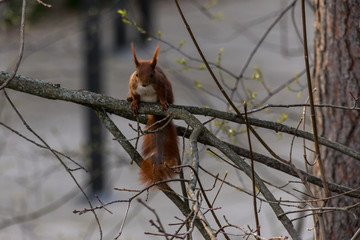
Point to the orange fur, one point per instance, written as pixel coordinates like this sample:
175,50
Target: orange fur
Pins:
159,149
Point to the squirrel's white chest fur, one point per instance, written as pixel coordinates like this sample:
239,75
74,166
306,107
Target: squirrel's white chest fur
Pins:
147,94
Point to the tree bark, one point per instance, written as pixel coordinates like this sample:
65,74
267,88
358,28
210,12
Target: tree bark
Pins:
337,79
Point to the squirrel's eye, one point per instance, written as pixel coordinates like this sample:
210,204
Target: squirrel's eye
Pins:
152,75
137,75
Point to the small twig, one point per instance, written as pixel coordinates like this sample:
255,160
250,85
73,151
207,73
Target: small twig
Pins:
329,198
223,159
44,4
253,52
219,85
263,38
137,139
248,234
44,147
102,204
123,221
35,214
319,210
183,186
356,101
304,140
125,190
313,122
301,105
21,48
141,133
225,149
312,108
252,172
356,235
58,158
138,193
189,227
226,182
220,187
161,228
281,87
191,193
195,157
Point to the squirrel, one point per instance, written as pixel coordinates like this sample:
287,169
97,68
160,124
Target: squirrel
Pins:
160,147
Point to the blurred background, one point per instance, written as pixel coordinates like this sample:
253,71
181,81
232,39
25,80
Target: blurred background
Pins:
85,44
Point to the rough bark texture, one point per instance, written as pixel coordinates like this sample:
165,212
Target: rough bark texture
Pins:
337,76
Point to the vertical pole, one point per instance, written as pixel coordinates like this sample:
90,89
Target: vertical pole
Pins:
146,8
120,35
93,74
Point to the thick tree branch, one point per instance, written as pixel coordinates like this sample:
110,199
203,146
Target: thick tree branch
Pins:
136,157
122,108
276,164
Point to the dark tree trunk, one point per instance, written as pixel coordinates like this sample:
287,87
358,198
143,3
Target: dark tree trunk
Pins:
337,79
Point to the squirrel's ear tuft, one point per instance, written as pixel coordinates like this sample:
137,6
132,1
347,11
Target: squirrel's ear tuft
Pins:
155,57
134,54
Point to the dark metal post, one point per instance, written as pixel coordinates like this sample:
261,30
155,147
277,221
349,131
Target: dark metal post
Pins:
120,36
145,7
93,74
146,21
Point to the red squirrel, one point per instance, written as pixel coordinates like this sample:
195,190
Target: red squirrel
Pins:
160,148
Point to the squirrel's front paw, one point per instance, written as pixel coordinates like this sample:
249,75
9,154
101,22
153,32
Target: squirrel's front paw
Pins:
134,107
164,105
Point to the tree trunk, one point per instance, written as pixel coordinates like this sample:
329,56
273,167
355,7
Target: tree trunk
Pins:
337,79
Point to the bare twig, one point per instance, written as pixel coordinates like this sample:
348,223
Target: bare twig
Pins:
311,98
291,5
220,187
262,187
44,147
319,210
123,221
58,158
252,172
356,235
44,4
160,228
35,214
247,233
252,54
21,48
182,205
301,105
320,217
102,204
218,83
192,194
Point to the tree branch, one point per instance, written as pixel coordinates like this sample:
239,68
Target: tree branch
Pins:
122,108
182,205
276,164
21,48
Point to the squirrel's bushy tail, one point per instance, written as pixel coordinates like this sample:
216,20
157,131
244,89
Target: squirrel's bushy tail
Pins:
160,151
